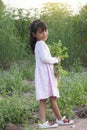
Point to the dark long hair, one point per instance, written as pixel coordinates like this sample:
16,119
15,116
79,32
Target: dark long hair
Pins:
35,25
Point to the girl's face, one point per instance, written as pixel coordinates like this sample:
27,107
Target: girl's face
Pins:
41,35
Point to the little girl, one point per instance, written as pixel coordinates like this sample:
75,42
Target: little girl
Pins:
45,81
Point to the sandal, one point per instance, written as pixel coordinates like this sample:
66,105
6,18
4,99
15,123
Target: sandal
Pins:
48,125
64,121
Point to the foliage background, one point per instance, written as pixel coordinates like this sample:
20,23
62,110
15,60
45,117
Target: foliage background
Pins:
62,25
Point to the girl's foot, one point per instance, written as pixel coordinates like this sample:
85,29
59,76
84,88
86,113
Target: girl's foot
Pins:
48,125
64,121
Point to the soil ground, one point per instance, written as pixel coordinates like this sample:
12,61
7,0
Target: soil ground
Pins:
80,124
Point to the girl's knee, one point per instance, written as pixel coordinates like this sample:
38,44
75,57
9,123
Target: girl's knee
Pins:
42,100
52,100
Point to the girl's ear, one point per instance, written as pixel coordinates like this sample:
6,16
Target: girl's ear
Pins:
34,34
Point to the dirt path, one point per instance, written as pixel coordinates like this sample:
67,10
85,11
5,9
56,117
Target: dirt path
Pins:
80,124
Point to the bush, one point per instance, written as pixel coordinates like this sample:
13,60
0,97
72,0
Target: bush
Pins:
72,92
58,50
12,82
15,109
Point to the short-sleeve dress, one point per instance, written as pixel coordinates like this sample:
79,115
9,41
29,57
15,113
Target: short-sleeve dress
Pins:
45,81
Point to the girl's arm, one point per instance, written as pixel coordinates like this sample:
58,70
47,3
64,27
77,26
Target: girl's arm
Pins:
45,54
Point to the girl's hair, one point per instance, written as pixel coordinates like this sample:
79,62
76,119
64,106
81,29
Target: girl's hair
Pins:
35,25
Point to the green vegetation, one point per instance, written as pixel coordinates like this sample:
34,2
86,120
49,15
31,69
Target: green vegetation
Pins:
58,50
67,39
17,101
11,49
73,92
62,25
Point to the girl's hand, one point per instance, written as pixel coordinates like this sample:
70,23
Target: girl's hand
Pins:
59,59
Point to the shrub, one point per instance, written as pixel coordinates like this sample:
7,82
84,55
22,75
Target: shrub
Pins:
58,50
72,92
12,82
15,109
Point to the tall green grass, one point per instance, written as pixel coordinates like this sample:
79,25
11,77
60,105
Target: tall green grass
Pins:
11,48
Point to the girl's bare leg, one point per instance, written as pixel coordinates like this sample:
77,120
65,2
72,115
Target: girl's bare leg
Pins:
42,110
55,107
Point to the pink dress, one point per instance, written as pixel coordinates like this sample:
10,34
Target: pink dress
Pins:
45,81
